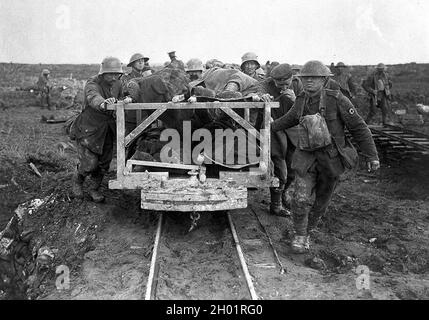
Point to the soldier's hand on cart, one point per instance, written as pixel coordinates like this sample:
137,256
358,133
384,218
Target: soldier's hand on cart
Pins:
373,165
128,100
192,99
267,97
256,98
178,98
107,102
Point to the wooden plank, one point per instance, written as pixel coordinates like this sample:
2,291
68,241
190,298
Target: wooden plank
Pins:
196,195
120,140
266,142
137,179
139,116
192,207
245,124
142,126
247,114
248,180
163,165
153,183
196,105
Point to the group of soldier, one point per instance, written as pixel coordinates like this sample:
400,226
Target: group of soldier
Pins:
308,177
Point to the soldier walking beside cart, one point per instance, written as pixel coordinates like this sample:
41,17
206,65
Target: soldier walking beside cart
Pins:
95,128
321,155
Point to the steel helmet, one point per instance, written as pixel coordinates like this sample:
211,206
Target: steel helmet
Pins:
249,56
194,65
135,57
381,66
315,68
45,71
111,65
282,71
340,65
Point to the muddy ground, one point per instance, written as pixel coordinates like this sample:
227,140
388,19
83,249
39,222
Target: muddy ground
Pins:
379,221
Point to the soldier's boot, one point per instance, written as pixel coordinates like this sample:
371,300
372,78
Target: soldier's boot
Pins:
300,244
77,185
94,192
276,206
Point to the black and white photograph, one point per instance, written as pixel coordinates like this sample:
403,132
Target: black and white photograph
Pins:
214,156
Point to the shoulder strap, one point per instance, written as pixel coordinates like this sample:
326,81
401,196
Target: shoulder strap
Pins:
322,103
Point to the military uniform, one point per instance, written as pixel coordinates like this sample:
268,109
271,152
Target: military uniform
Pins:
378,87
318,171
282,147
130,115
44,86
95,130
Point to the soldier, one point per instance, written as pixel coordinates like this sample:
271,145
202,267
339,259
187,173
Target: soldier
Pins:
194,69
343,77
251,66
137,63
283,87
175,62
94,129
44,86
295,69
318,166
378,85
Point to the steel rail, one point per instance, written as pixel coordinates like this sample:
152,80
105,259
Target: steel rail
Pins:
242,260
149,286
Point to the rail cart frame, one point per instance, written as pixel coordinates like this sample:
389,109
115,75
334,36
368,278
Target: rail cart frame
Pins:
194,192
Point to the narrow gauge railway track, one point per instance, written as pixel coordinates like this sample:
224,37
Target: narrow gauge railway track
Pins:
396,143
208,262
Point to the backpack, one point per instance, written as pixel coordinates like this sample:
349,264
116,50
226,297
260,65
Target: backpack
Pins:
313,132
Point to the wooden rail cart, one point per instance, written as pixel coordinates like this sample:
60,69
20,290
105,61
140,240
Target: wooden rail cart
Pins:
193,191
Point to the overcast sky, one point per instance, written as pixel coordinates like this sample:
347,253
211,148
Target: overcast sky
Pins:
293,31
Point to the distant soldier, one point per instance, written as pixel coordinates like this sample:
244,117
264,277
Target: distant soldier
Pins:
378,85
175,62
194,68
343,77
44,86
137,64
295,69
95,128
251,66
324,154
283,87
